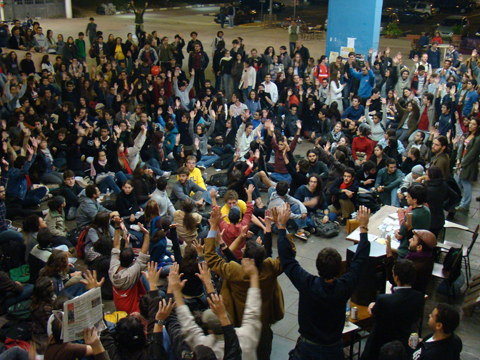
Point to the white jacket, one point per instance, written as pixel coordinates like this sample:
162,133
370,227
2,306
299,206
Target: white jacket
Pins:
272,90
252,77
335,92
242,142
134,151
248,334
378,130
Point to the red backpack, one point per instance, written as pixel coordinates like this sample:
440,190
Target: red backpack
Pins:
81,243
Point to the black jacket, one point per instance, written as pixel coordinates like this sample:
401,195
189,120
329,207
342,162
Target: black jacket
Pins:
101,265
204,60
395,314
125,204
440,197
143,186
446,349
335,190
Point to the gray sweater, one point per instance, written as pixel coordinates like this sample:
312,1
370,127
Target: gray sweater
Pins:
180,191
87,210
164,203
204,138
183,95
277,201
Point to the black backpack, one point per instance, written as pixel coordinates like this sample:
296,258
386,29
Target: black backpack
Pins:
369,200
328,230
12,255
218,180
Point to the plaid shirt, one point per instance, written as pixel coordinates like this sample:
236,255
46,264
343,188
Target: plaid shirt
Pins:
3,210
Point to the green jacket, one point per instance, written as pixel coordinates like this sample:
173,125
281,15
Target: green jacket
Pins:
81,51
139,16
420,221
469,161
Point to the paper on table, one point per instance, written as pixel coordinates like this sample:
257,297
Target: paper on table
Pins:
393,243
393,216
356,236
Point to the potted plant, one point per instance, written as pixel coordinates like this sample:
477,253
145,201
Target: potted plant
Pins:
457,31
392,31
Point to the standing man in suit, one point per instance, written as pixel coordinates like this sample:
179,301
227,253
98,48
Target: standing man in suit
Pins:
395,314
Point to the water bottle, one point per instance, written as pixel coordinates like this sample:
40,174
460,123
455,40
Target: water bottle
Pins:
384,232
108,192
348,305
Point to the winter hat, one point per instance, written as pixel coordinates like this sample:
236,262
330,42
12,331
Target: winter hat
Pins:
417,170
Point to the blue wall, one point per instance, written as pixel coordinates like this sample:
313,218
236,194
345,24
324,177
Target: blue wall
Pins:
358,19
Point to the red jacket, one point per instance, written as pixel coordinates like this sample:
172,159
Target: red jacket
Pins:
232,231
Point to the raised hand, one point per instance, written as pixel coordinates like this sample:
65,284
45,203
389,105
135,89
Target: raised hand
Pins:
363,216
199,247
174,278
204,273
164,309
90,280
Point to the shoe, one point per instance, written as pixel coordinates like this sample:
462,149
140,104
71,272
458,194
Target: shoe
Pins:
301,235
299,140
167,174
478,198
306,232
462,209
201,167
343,222
311,230
290,138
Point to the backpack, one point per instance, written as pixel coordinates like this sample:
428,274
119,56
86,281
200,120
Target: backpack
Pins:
328,230
81,243
12,255
223,164
218,180
449,263
21,274
20,310
369,200
17,330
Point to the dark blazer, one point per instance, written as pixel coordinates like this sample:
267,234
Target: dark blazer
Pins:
395,315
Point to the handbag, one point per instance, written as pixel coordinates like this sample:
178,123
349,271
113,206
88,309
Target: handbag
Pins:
328,230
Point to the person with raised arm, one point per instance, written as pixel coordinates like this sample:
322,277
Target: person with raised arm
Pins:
323,298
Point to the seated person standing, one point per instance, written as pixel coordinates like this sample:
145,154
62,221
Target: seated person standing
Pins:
185,188
89,206
344,191
195,175
124,273
443,344
70,190
388,180
417,218
233,228
279,196
395,314
367,175
420,252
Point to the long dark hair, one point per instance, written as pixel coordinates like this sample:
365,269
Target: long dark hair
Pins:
101,222
188,205
43,292
189,263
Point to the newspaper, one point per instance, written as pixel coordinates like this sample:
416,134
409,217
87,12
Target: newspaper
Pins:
81,312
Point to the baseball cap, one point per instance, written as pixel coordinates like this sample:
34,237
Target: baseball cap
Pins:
427,237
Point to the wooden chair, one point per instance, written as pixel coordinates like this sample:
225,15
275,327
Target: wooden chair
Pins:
466,251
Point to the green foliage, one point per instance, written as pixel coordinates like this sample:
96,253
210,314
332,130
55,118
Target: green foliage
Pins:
393,29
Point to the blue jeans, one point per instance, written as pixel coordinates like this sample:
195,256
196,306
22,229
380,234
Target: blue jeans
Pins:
155,166
395,201
309,351
277,177
467,191
230,20
108,183
206,194
76,290
11,298
246,93
34,197
207,160
227,149
122,177
11,235
14,353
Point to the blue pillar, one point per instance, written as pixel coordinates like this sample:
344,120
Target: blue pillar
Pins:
354,19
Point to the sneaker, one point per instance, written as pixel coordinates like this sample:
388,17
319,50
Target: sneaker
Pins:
45,212
306,232
290,138
462,209
301,235
167,174
201,167
299,140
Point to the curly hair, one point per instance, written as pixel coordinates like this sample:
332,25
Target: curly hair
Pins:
42,292
190,263
57,264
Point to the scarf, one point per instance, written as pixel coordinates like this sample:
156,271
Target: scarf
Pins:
47,154
125,161
345,186
336,136
226,58
415,255
93,172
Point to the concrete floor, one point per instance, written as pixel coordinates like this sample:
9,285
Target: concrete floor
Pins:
170,22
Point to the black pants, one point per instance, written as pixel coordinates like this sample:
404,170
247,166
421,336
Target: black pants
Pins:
199,81
264,348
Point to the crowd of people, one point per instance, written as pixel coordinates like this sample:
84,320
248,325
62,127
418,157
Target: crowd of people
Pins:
99,143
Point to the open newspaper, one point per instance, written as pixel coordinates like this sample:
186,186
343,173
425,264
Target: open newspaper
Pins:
81,312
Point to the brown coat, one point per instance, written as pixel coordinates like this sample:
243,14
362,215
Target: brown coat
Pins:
236,284
413,119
